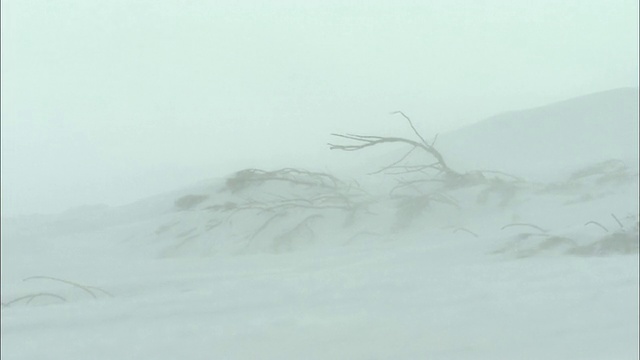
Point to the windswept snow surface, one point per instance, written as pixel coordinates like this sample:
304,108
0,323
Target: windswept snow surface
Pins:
539,260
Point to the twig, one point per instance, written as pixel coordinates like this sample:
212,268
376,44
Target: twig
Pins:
465,230
408,169
524,224
264,226
83,287
434,140
395,163
100,290
618,221
598,224
30,297
411,124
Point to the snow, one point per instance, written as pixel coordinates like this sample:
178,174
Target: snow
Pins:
289,264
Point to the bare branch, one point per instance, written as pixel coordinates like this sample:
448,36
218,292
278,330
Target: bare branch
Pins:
83,287
368,141
598,224
30,297
465,230
525,224
434,140
413,127
618,221
413,168
395,163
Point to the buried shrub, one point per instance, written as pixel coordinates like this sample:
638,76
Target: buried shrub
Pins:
189,201
91,290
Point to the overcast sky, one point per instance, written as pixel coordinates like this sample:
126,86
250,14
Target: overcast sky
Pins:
112,101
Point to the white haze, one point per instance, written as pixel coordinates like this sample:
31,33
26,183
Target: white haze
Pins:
534,258
111,101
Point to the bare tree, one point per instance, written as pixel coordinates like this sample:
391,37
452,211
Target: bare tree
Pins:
365,141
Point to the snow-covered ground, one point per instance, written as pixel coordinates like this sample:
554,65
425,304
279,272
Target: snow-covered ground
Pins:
536,260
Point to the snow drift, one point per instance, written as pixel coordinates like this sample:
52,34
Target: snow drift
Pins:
535,258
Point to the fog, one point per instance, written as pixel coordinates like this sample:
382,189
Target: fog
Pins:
109,102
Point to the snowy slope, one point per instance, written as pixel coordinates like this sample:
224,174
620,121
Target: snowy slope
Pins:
543,141
285,263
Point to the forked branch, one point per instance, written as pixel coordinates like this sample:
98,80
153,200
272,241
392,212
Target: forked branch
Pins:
365,141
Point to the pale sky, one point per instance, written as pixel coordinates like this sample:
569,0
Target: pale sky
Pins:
112,101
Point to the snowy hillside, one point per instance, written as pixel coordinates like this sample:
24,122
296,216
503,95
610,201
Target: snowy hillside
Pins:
544,141
530,251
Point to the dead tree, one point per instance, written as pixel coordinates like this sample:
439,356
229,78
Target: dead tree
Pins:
365,141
